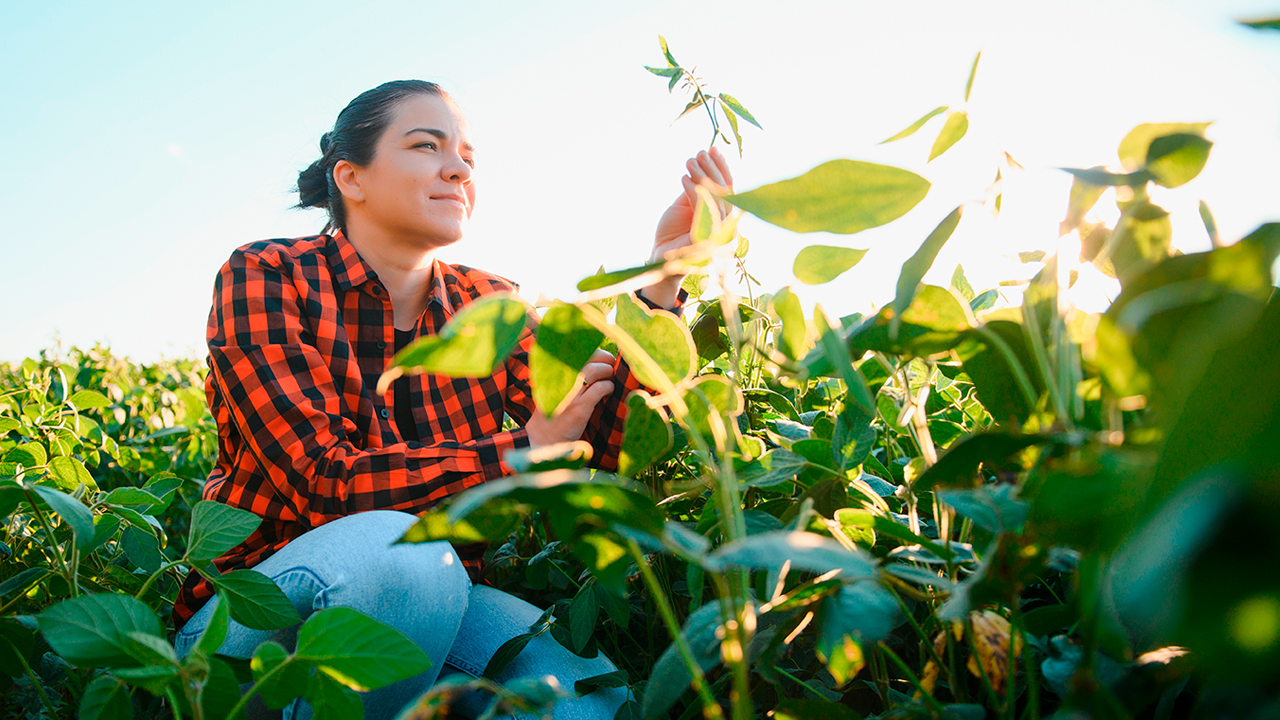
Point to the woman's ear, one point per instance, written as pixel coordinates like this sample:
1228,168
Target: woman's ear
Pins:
347,177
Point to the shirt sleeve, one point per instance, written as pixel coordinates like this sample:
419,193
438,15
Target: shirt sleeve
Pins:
268,365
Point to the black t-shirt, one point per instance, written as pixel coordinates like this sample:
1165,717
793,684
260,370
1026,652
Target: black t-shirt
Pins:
404,409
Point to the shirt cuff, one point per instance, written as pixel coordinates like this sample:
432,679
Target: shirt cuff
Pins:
491,453
681,297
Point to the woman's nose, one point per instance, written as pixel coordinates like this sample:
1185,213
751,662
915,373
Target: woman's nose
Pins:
457,170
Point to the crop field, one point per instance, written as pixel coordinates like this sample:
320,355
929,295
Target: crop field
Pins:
953,507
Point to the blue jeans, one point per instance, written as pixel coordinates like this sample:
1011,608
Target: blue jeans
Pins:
424,592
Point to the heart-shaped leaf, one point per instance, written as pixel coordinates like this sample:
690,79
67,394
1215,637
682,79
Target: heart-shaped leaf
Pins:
564,344
817,264
657,346
473,344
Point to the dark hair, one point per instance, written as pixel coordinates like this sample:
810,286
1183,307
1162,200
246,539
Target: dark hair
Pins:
353,138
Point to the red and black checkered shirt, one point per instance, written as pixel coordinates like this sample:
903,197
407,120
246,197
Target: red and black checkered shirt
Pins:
299,333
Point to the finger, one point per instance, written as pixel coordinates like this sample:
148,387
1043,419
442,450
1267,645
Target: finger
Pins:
602,356
722,163
712,171
595,372
577,413
690,193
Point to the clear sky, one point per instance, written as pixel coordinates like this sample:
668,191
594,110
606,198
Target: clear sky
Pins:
146,141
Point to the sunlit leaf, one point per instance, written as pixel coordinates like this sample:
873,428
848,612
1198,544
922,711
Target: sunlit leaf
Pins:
840,196
473,344
913,127
565,342
73,512
956,126
914,269
1133,148
817,264
1176,159
805,551
968,86
1264,24
358,651
216,528
646,437
660,340
256,601
792,337
1103,178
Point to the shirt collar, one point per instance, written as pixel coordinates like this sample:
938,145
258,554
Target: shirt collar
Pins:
349,269
442,276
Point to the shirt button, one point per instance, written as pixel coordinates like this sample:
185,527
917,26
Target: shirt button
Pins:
381,345
384,413
376,290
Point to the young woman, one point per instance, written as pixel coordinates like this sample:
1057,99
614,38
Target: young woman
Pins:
299,333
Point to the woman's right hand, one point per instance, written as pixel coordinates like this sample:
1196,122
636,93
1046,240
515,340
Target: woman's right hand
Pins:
572,421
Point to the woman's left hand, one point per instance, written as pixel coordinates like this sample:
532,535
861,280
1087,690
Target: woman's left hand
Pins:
709,169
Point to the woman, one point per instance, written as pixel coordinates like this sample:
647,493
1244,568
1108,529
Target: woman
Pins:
299,333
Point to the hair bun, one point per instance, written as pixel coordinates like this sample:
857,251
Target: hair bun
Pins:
324,143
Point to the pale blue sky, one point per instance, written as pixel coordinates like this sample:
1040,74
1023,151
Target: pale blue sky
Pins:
145,141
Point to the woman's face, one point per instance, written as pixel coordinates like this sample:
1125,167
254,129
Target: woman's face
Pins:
418,187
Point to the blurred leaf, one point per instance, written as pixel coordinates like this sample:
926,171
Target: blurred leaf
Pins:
288,677
1133,148
961,284
862,611
992,374
914,269
670,678
613,679
1210,225
1176,159
994,509
738,110
93,630
1084,196
474,343
792,709
985,301
604,279
712,394
330,699
646,437
505,654
911,129
583,613
222,689
565,342
792,338
968,86
216,528
1264,24
882,525
1100,177
817,264
1140,238
88,399
840,196
16,645
959,465
571,455
956,126
660,337
805,551
215,631
773,468
256,601
105,699
358,651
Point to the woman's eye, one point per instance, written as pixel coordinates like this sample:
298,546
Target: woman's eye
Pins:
469,162
430,145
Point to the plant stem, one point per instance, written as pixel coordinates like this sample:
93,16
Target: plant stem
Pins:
67,574
244,699
35,682
710,708
933,703
160,570
796,680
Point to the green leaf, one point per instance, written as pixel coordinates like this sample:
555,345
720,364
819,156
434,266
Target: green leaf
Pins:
613,679
712,395
791,339
142,549
1264,24
670,678
792,709
667,53
805,551
840,196
434,525
1084,195
733,125
993,376
959,465
985,301
1100,177
70,474
88,399
604,279
256,601
288,679
961,284
16,645
773,468
993,509
130,496
1133,148
357,650
93,630
505,654
557,456
565,342
73,512
917,124
23,580
664,72
692,105
659,339
28,455
216,528
968,86
858,403
953,129
222,690
1210,225
914,269
330,700
852,517
106,699
738,110
215,632
1176,159
646,437
863,611
583,613
933,323
817,264
475,343
1140,239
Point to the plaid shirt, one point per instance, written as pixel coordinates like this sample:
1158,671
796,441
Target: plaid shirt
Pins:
299,332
